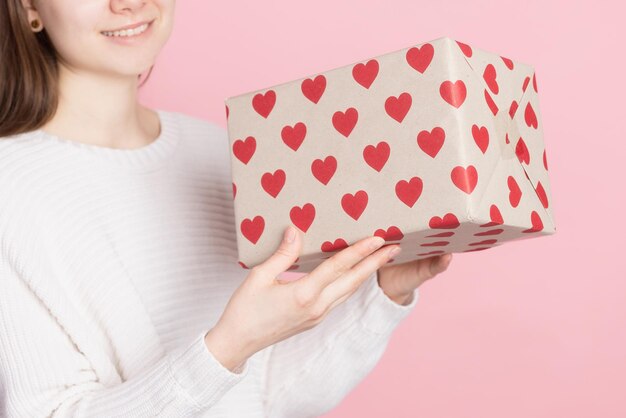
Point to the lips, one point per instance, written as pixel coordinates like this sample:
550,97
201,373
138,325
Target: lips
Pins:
133,26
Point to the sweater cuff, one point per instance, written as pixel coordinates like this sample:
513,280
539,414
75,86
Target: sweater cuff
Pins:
382,315
200,375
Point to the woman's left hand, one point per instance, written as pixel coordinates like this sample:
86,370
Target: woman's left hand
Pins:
398,281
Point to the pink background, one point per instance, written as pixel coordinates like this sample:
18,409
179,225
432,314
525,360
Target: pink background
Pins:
535,328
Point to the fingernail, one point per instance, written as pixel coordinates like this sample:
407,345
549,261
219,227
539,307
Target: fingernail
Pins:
394,251
290,234
376,242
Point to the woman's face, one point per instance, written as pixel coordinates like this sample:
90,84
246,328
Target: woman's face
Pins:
76,29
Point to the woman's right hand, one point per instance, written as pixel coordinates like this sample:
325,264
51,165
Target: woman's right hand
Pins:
264,310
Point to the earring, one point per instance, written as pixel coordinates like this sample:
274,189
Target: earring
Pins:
34,23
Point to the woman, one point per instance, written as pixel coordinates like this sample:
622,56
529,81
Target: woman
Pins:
120,291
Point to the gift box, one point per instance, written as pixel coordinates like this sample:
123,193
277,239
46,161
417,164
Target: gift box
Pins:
438,147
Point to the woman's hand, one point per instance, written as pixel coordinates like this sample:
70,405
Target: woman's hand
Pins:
264,310
398,281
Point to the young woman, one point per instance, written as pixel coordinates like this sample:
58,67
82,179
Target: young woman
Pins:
120,290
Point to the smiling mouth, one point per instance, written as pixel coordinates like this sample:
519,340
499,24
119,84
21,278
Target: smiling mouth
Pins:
128,33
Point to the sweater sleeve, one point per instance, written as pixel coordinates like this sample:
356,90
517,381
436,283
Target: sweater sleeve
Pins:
310,373
42,373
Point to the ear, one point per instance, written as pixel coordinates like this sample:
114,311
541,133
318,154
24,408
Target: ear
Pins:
32,13
30,9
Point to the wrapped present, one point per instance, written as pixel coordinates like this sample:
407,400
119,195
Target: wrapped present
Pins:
438,147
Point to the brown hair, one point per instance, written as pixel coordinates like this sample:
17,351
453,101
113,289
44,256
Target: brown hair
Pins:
28,72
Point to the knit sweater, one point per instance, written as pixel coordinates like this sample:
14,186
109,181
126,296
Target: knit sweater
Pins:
115,263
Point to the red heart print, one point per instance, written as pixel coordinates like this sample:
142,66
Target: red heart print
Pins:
481,137
535,220
264,103
365,74
338,244
535,83
489,75
393,233
227,112
435,244
545,161
543,197
354,204
314,88
496,217
453,93
515,193
344,121
273,183
530,117
253,228
449,221
522,151
525,84
293,135
234,189
476,249
492,105
377,156
420,58
508,63
465,178
324,170
497,231
467,50
243,265
409,191
513,109
244,150
398,107
431,142
441,235
302,217
485,242
433,252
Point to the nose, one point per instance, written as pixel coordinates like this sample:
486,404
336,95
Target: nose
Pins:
122,5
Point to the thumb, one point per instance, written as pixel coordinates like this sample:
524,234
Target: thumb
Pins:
285,255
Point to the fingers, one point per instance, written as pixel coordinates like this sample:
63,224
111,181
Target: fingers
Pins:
335,266
286,254
341,289
440,264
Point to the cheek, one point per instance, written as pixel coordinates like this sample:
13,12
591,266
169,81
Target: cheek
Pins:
76,45
72,25
165,4
165,22
166,11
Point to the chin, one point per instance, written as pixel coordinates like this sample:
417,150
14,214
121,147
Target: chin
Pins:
133,71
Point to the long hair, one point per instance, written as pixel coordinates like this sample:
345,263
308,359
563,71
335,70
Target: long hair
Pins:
28,72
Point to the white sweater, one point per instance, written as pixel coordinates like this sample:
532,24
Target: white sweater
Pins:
115,263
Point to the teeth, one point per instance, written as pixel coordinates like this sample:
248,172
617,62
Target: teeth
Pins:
128,32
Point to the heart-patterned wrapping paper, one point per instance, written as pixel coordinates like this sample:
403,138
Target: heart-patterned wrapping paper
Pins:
438,147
